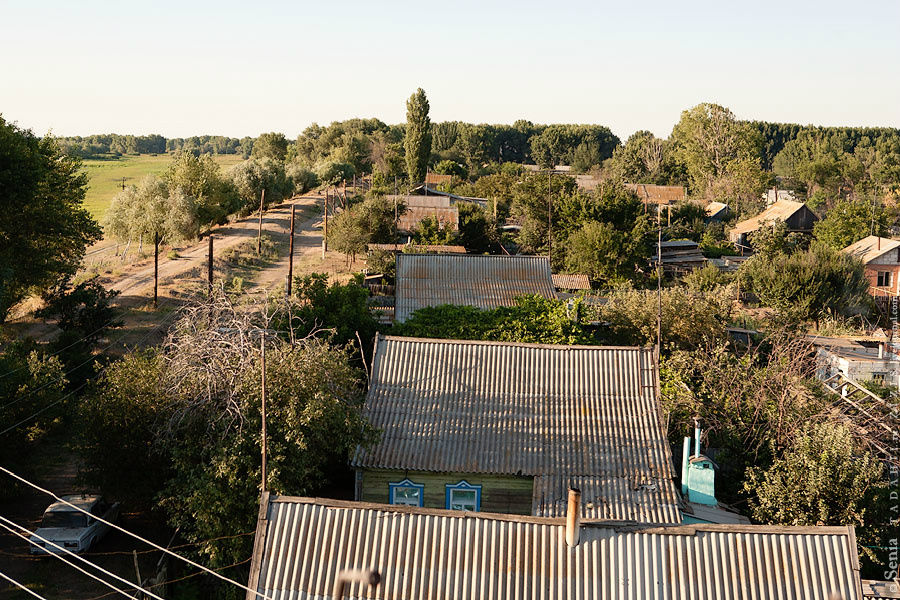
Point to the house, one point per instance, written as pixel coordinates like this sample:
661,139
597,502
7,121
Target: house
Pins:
857,360
795,215
576,281
428,207
881,257
716,212
307,548
469,280
659,195
507,427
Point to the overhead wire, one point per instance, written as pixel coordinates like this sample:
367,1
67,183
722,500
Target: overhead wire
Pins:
28,539
134,535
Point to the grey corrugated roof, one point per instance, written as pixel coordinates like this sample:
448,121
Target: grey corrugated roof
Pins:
559,411
302,543
470,280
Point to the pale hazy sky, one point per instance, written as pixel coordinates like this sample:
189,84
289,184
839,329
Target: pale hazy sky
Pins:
241,68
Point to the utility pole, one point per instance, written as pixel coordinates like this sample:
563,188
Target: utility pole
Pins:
263,441
210,273
155,267
325,230
659,283
262,198
123,184
291,253
549,217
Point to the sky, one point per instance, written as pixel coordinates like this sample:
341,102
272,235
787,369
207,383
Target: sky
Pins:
241,68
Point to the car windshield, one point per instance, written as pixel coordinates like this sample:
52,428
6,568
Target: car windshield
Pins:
65,519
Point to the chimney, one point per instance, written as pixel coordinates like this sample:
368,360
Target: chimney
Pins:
573,518
696,438
685,459
879,241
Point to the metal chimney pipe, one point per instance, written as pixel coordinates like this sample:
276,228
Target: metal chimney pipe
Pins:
685,459
573,518
696,438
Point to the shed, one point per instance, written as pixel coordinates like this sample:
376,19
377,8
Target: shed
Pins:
716,211
302,544
518,423
470,280
796,215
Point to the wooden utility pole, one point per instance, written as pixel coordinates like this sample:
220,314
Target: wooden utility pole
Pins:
549,218
262,199
155,267
210,266
291,253
659,283
325,230
263,442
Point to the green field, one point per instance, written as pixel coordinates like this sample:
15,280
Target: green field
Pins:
106,175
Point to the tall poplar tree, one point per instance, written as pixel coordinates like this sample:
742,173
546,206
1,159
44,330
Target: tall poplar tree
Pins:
418,136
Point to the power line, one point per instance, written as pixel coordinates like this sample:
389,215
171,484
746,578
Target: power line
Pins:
73,565
134,535
19,585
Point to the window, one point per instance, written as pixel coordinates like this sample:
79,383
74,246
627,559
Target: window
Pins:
884,279
464,496
879,377
406,493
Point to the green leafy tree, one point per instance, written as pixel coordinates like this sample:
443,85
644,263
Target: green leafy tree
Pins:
430,232
44,226
418,136
824,478
270,145
253,176
809,284
721,154
532,320
347,233
338,309
200,178
850,221
644,158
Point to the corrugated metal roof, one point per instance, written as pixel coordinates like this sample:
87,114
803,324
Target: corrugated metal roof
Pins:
473,280
657,194
577,281
302,543
778,211
564,412
871,247
876,590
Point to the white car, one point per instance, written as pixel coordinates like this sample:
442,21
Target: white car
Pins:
71,529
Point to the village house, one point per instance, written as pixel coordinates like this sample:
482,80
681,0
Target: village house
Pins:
881,257
479,280
504,427
859,361
311,548
796,216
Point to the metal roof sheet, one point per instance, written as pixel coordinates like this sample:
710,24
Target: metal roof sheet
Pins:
577,281
419,248
472,280
871,247
302,543
565,412
657,194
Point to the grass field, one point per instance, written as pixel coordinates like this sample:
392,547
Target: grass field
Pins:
106,175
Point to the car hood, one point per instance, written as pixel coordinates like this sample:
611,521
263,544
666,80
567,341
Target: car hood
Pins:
59,533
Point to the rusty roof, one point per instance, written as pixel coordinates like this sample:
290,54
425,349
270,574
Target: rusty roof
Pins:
302,543
559,412
871,247
437,178
476,280
411,200
657,194
778,211
419,248
571,281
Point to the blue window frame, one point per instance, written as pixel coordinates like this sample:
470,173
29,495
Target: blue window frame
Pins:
463,496
406,493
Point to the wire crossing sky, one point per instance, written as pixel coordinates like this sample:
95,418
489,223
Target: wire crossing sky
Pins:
240,68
